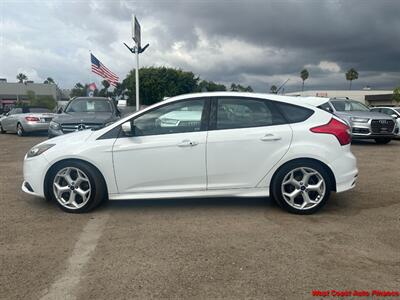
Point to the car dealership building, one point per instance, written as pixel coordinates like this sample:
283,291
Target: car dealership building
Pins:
12,92
367,96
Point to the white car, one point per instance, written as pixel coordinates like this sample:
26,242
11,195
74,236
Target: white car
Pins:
241,144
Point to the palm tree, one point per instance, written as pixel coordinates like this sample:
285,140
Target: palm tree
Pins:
49,80
21,77
273,89
304,75
351,75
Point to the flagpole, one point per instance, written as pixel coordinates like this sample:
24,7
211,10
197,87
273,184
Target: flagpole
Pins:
137,78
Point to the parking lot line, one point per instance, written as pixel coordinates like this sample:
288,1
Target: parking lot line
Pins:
66,285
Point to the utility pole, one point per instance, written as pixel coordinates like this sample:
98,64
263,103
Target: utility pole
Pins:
137,49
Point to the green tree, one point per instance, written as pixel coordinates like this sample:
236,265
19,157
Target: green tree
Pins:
240,88
351,75
22,77
157,83
78,90
273,89
104,91
210,86
41,100
49,80
396,94
304,76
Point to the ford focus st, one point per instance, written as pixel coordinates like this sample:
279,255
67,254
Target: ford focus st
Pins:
200,145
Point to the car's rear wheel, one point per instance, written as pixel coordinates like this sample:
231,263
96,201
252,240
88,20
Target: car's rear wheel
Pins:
76,187
2,129
301,187
382,141
20,130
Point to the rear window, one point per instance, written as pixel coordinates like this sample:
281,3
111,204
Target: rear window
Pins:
294,113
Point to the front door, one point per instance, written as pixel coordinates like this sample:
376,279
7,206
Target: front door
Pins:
166,151
247,138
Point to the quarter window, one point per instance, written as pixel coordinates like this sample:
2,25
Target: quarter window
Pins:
242,113
294,113
184,116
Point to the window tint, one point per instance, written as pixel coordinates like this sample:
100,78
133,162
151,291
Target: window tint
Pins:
387,111
184,116
242,113
294,113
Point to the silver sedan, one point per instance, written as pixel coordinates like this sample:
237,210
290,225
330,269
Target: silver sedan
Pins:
25,120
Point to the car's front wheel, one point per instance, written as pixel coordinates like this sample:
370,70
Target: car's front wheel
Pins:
75,186
301,187
382,141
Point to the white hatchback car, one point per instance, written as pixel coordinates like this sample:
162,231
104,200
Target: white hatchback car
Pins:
200,145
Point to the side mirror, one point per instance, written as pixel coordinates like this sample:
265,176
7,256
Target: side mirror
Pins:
60,110
7,114
127,128
394,116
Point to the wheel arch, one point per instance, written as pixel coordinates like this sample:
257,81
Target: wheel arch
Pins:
54,165
325,166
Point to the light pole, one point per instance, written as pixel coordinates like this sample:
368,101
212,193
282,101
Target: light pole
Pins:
137,49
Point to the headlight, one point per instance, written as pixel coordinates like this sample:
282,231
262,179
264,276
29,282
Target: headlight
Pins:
54,125
359,120
37,150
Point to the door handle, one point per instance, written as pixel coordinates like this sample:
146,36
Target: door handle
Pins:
187,143
270,137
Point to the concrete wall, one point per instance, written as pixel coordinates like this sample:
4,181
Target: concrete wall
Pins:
8,89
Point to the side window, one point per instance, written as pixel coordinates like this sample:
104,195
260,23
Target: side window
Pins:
326,107
184,116
243,113
294,113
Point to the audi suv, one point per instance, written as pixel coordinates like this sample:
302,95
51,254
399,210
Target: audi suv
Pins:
364,123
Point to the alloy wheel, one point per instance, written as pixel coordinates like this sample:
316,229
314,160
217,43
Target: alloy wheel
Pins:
303,188
71,188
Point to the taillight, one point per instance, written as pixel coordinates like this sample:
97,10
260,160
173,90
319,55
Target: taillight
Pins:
340,130
32,119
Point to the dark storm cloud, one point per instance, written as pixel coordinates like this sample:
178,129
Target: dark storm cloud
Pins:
255,42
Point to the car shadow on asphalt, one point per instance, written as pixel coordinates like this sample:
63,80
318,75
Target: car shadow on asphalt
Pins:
190,202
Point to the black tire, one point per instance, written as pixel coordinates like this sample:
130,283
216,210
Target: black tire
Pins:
1,129
382,141
20,130
276,185
97,183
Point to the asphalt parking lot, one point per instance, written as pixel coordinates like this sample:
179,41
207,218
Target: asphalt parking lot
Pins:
205,248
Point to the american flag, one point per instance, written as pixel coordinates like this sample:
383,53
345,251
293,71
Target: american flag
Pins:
100,69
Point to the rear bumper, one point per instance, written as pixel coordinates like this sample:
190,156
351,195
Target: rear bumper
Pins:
35,126
345,171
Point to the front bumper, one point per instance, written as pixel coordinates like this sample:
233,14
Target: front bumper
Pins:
53,132
35,169
365,131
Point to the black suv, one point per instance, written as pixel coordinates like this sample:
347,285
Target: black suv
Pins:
84,113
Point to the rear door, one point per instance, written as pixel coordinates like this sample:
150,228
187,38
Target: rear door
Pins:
247,137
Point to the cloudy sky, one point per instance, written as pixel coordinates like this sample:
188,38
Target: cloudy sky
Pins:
253,42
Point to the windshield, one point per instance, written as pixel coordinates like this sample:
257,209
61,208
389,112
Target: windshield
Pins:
349,105
88,105
397,109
